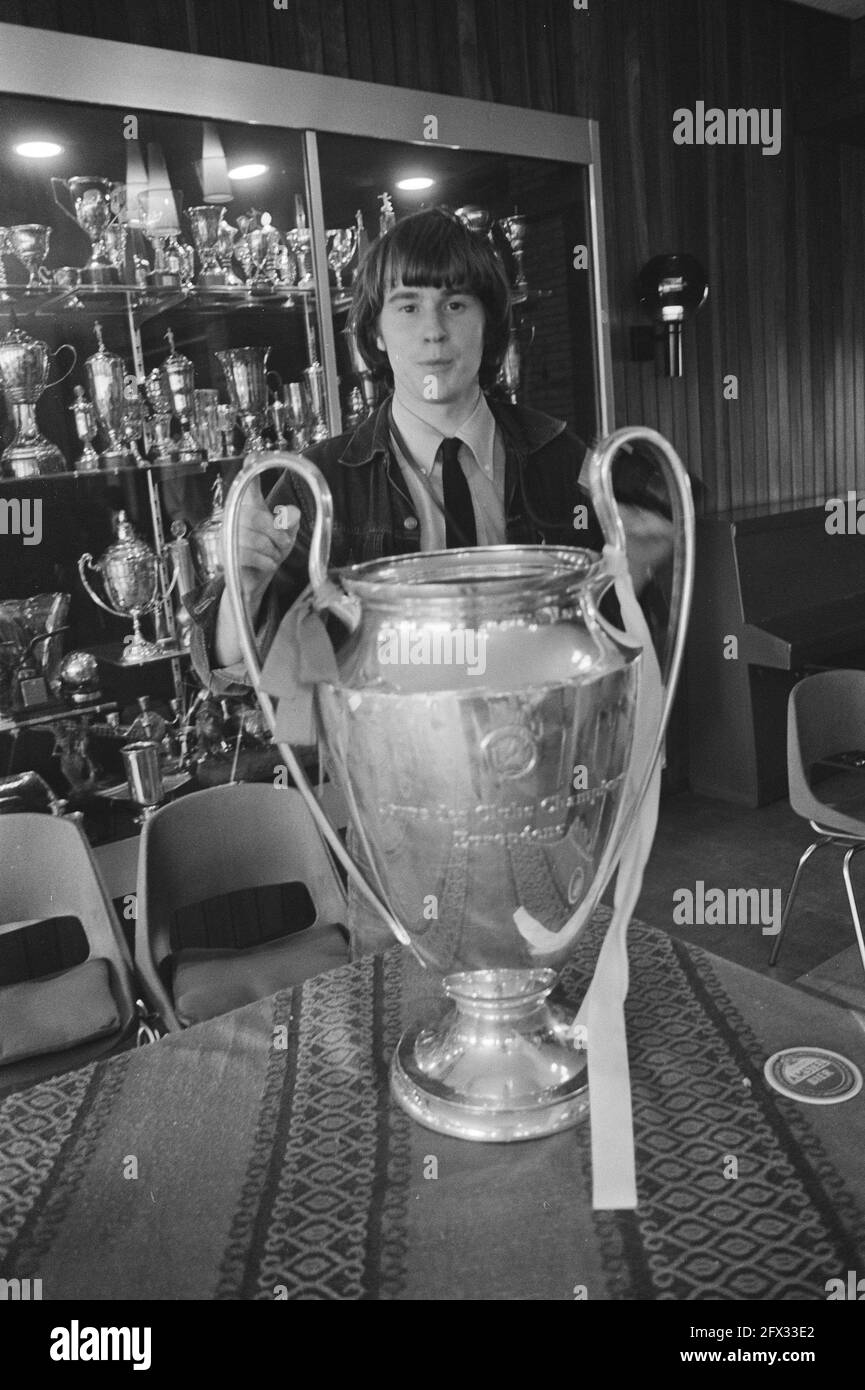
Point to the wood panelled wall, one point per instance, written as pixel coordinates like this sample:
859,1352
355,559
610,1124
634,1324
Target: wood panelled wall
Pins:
780,236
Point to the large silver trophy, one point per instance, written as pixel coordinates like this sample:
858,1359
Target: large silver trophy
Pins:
479,720
131,578
24,366
94,204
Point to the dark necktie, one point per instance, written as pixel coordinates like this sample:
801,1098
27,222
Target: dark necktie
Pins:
460,529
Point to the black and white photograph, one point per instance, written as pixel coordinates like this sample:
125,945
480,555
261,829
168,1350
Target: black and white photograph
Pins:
432,669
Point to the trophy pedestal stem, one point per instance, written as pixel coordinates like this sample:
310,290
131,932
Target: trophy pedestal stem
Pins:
500,1065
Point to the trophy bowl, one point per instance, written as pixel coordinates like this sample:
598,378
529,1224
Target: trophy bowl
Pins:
481,721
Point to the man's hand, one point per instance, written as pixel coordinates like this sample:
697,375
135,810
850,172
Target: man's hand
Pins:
264,540
649,541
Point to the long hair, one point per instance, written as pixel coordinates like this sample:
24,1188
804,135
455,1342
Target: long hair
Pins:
433,248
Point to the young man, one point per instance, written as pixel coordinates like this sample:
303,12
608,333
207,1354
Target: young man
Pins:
440,463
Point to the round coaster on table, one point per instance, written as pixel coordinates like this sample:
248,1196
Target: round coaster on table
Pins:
814,1075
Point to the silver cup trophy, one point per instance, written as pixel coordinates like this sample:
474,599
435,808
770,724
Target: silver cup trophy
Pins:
106,375
29,242
94,203
245,376
24,366
130,576
473,687
179,373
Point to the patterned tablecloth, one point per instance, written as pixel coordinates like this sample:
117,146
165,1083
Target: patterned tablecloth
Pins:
222,1164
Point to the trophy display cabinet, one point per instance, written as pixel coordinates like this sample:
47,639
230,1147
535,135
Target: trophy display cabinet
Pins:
189,230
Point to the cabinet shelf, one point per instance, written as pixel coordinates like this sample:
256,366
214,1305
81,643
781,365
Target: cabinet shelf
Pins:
161,470
113,300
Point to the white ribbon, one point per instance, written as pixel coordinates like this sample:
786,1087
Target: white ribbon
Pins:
602,1012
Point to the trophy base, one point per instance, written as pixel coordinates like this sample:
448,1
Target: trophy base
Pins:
98,274
32,460
138,650
501,1065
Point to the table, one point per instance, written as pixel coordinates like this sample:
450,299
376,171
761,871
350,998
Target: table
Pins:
258,1156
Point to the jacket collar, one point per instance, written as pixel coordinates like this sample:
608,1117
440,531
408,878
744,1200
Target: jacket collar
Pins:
525,430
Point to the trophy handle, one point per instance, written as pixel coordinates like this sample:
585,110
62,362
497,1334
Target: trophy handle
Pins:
70,368
87,560
330,597
64,201
601,488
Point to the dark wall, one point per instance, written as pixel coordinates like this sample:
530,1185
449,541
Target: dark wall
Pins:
780,236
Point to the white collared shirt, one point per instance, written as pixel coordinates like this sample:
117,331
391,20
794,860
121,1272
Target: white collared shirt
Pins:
482,457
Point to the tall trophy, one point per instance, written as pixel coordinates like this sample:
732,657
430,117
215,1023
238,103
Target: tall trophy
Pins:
180,376
494,738
106,375
245,376
130,577
24,366
93,210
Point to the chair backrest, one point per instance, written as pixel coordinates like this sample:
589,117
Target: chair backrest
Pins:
825,715
218,841
47,869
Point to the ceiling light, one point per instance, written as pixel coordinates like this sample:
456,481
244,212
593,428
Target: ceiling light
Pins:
414,185
38,149
247,171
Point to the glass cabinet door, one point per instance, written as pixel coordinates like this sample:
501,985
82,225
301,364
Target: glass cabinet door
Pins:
535,213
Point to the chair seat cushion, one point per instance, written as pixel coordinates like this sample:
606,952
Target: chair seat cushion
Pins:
58,1012
207,982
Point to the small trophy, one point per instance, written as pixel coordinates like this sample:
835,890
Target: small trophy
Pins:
29,242
130,575
342,244
515,230
132,420
244,370
225,239
205,223
159,399
297,416
180,375
315,387
84,417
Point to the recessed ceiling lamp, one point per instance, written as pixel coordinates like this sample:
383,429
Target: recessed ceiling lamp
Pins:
38,149
414,185
247,171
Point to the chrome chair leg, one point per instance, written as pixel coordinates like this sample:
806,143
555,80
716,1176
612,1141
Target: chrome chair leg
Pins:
854,849
817,844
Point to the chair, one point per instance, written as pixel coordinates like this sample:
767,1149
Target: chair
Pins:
825,731
217,841
59,1021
